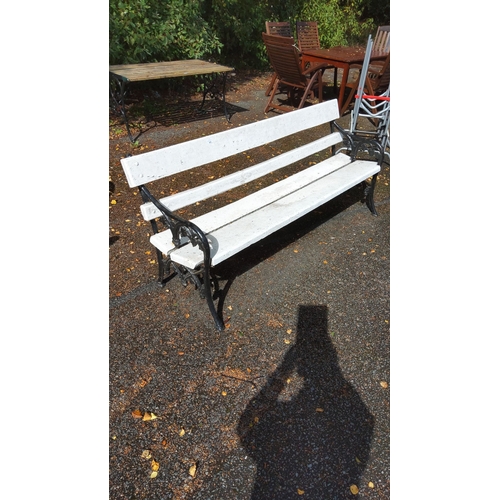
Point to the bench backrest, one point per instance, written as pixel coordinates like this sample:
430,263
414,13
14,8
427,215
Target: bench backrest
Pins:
154,165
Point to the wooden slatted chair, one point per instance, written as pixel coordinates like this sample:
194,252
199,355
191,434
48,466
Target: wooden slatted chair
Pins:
278,28
381,42
308,39
307,35
284,58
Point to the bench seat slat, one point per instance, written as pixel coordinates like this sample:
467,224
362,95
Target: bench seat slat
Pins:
219,217
213,188
155,165
230,238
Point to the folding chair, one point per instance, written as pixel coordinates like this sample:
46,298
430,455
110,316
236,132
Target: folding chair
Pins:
284,58
278,28
376,108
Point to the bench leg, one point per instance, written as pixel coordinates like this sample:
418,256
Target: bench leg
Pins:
118,98
369,190
219,323
211,88
161,267
204,287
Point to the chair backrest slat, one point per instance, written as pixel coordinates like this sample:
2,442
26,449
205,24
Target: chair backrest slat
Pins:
154,165
381,43
279,28
308,35
284,59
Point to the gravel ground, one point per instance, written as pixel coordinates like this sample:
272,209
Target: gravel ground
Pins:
292,398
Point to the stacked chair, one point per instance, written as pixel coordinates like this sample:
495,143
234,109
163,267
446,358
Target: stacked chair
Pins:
372,101
378,73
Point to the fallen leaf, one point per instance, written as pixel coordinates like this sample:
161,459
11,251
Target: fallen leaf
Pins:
299,491
289,330
371,485
358,461
147,416
354,489
146,454
287,341
384,384
182,432
153,474
137,414
319,410
192,470
113,202
155,465
153,416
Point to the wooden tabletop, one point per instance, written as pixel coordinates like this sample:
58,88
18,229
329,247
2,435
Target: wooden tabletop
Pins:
348,55
168,69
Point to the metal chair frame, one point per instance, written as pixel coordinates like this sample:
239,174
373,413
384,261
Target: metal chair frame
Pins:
376,108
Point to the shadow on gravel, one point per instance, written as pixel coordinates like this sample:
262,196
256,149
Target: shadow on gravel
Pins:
151,116
308,429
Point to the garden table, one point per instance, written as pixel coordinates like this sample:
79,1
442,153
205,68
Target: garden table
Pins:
340,57
122,74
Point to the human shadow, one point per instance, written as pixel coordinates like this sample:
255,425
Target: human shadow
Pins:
307,430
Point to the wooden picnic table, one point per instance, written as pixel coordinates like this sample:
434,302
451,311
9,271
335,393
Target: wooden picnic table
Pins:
340,57
123,74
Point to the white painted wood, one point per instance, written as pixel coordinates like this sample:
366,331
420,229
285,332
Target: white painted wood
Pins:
225,215
285,205
213,188
154,165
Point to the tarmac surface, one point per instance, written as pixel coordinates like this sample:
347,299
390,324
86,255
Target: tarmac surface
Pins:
291,400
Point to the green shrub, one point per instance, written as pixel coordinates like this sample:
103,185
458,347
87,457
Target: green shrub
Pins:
229,31
149,30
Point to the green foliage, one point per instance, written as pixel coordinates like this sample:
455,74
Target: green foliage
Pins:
229,31
339,22
149,30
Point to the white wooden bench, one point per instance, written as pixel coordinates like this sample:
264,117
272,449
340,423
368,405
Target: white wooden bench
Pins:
191,248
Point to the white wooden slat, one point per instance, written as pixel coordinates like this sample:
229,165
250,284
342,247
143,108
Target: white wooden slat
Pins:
213,188
246,231
231,238
154,165
227,214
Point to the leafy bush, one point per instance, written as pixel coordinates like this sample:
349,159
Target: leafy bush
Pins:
229,31
339,24
149,30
